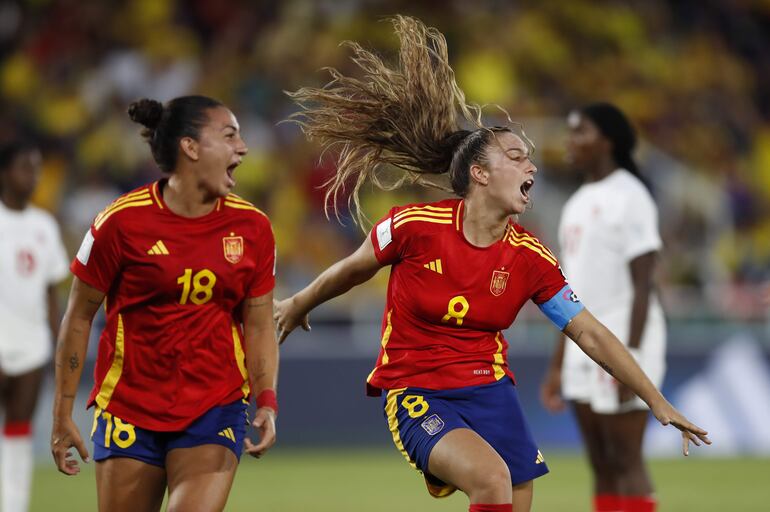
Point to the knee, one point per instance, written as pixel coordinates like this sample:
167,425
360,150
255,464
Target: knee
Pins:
492,483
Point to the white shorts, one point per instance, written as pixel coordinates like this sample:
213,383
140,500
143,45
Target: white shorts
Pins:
584,381
23,347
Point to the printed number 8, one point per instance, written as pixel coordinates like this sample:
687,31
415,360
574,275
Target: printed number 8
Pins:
452,311
415,405
201,293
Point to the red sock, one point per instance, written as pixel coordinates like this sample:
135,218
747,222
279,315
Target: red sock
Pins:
479,507
607,503
17,429
639,504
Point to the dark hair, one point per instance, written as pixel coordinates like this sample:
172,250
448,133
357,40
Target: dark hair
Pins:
406,116
615,127
9,150
165,125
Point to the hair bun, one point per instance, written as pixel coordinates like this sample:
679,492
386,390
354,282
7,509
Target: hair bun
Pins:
146,112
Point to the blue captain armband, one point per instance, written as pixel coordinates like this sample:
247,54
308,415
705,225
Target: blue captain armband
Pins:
562,307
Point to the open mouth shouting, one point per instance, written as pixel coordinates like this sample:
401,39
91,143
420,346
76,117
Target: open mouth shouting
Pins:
230,171
525,188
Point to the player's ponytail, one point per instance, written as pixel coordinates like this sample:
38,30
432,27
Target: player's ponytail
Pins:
408,117
166,125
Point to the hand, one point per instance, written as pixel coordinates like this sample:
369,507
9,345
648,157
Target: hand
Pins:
264,422
288,316
64,436
666,414
550,392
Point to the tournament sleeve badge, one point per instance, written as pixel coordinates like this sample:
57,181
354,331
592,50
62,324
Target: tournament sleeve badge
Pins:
233,247
499,280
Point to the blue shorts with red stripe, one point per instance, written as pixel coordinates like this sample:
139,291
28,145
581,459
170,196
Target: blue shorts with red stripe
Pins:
418,418
224,425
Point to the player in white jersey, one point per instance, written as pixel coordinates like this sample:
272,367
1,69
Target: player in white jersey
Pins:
609,240
32,261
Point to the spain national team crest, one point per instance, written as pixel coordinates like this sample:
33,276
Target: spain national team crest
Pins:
499,280
233,246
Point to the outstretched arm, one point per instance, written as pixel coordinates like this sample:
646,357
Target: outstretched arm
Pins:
84,302
357,268
602,346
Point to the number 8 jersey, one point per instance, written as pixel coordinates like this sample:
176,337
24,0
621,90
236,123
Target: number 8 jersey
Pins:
449,301
171,347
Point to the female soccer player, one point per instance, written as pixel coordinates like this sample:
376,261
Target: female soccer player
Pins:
32,262
460,271
609,242
187,269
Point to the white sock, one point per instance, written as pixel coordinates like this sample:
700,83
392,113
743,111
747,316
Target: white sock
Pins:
16,473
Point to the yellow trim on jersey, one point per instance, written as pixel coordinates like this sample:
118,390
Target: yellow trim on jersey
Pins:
391,407
241,206
457,215
234,201
116,209
116,368
498,359
424,219
154,189
237,199
384,342
523,236
133,196
546,255
423,209
240,360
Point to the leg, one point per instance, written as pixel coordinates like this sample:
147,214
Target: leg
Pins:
522,496
129,485
20,398
465,460
592,431
625,434
199,478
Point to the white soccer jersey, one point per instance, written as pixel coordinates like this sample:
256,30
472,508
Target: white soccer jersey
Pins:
32,257
603,226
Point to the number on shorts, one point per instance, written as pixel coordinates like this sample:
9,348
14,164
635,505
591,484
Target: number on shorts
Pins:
117,431
452,311
415,405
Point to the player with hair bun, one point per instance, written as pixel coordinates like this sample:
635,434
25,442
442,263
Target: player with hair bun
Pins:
461,269
187,270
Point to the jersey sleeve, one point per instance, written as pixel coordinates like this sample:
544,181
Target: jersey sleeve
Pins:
388,244
640,225
57,266
552,293
99,258
264,273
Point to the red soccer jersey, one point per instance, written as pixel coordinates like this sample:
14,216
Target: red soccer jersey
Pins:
448,300
171,347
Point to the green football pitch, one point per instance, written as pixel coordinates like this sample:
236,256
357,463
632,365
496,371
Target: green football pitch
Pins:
293,480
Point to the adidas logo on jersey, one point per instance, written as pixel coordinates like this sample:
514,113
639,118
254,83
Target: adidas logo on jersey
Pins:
435,266
228,433
158,249
539,459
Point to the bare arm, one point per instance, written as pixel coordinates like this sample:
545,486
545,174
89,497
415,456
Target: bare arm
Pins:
261,350
357,268
642,271
603,347
550,389
84,302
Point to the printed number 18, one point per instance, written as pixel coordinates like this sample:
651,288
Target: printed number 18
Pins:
201,292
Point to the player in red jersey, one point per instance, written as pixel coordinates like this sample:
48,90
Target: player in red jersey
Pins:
187,270
460,271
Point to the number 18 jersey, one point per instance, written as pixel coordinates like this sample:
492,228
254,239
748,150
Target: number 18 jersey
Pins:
449,301
171,348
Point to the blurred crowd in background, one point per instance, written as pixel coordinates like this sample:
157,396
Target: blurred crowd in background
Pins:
692,75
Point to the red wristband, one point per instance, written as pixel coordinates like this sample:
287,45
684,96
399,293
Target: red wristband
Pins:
267,398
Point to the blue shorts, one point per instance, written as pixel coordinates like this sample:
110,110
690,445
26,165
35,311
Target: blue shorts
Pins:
418,418
224,425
